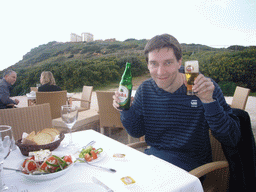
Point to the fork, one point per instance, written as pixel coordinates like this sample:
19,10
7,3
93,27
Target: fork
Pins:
90,143
107,169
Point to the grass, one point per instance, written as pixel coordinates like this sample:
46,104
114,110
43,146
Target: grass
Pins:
252,94
136,81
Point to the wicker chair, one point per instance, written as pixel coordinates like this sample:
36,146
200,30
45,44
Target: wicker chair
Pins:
109,116
217,172
27,119
85,98
56,100
240,98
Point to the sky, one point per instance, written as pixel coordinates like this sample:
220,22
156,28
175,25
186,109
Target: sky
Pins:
27,24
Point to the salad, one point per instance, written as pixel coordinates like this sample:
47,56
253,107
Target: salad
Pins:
51,164
90,153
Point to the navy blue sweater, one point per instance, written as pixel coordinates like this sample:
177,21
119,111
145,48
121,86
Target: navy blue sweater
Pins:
176,126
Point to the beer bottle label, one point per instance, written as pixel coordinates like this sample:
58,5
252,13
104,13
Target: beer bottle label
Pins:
125,95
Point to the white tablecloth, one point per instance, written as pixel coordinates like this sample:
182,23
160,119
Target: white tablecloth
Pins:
149,172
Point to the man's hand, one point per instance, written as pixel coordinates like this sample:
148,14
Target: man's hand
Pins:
204,88
116,100
16,101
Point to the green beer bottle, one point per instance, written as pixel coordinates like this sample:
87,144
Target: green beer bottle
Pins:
125,88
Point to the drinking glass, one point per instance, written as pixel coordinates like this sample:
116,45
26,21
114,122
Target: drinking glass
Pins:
69,114
6,138
191,72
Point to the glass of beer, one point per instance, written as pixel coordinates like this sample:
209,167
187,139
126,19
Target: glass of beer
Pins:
191,71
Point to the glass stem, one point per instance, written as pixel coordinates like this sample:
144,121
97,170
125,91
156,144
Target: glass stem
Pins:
70,134
1,176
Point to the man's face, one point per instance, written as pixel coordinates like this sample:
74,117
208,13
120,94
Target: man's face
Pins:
163,67
11,78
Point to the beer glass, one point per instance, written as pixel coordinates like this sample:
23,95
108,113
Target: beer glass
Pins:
191,72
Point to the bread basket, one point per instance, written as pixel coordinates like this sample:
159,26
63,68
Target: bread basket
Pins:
25,149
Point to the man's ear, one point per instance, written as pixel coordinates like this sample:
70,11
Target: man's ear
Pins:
180,62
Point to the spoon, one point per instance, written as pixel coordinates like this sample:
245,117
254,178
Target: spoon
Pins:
107,169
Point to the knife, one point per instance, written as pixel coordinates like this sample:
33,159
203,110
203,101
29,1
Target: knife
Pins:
97,181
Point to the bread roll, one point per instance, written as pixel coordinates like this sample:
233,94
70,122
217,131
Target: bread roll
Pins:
42,138
52,131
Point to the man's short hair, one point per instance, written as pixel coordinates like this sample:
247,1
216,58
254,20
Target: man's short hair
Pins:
162,41
8,72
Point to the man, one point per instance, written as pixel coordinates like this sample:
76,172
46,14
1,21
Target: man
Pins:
9,78
176,125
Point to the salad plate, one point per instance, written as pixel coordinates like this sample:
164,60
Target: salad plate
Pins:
45,176
90,187
99,158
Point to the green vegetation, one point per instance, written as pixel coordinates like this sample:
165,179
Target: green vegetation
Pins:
229,68
102,63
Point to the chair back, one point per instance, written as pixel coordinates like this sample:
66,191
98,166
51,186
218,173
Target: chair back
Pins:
109,116
216,180
27,119
86,95
35,89
240,98
56,99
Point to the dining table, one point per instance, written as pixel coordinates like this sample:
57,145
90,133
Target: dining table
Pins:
148,172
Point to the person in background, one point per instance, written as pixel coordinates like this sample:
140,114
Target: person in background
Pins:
48,82
9,78
176,125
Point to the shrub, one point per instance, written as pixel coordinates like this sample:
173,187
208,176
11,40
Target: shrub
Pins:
227,87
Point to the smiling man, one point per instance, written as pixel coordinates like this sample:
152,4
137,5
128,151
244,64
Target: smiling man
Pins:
176,125
9,78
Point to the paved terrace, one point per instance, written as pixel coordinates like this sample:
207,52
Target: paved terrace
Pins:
121,135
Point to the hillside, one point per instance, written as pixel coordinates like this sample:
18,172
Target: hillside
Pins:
99,63
53,52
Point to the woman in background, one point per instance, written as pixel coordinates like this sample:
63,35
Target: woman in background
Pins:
48,82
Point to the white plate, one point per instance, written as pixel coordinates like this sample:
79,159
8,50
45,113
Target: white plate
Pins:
101,156
45,176
73,187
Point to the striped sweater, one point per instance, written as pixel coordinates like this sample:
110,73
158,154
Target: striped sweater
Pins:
176,126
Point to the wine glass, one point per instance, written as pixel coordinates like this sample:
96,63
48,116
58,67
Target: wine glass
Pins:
6,138
69,114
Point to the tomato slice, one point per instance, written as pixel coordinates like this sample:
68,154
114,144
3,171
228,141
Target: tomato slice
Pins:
87,157
29,158
68,158
94,155
46,167
31,166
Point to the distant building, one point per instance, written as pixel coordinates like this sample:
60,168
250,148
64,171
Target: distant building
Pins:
75,38
88,37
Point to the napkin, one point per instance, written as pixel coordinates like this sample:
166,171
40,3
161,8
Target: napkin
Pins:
33,93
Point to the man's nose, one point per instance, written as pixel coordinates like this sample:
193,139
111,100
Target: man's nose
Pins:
161,70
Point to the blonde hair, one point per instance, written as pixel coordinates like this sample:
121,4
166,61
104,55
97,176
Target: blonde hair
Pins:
47,77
